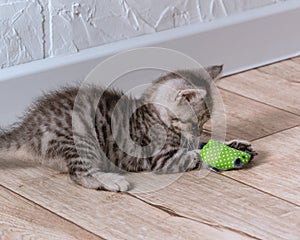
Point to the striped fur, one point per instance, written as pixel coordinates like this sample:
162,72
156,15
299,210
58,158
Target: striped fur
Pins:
95,140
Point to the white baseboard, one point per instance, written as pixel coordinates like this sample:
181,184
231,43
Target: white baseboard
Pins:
240,42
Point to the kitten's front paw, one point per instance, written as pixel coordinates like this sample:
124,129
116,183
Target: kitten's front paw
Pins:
114,182
242,145
195,161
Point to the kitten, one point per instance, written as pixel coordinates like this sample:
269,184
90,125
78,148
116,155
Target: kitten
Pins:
94,134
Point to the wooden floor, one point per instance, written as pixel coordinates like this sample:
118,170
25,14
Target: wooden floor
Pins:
259,202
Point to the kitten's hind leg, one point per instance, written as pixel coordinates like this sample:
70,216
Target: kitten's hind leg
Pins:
89,167
101,181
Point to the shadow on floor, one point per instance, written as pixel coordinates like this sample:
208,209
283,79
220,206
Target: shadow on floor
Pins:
15,163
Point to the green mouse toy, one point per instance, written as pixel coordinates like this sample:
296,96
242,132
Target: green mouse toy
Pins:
220,157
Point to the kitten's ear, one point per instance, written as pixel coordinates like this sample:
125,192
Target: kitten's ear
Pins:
190,95
214,71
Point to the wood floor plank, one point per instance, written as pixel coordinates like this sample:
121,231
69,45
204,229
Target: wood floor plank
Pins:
267,88
276,169
221,201
296,59
21,219
249,119
110,215
289,70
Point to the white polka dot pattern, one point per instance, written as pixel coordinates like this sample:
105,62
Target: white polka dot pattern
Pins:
222,157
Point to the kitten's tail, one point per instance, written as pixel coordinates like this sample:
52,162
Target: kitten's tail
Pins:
4,140
10,142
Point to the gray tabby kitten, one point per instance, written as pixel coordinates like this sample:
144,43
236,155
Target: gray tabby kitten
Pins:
94,139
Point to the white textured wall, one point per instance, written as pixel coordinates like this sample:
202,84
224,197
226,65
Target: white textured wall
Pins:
36,29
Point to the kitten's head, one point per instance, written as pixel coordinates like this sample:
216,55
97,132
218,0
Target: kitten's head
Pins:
183,99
